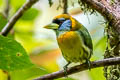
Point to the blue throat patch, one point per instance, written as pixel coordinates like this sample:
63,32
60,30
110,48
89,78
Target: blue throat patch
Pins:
65,26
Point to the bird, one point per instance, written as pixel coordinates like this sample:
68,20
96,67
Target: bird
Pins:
73,39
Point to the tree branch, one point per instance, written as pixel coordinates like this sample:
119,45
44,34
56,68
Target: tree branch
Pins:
82,67
7,8
110,11
18,14
65,6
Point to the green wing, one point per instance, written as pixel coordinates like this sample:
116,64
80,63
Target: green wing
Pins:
86,38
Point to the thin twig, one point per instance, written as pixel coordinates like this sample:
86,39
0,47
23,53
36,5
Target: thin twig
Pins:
9,77
7,8
18,14
82,67
65,6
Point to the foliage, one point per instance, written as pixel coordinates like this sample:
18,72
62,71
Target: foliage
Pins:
31,14
3,21
17,4
28,73
12,55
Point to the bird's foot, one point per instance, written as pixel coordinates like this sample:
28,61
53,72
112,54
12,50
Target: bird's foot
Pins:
89,64
65,69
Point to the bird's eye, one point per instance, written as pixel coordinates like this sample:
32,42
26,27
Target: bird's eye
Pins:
56,21
59,21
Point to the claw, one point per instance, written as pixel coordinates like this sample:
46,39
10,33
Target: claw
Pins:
65,69
88,63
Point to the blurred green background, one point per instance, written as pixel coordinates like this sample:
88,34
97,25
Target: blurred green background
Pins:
41,44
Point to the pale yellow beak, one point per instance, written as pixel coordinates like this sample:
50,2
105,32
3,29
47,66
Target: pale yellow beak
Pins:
52,26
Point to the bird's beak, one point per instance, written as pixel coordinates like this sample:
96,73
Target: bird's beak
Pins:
52,26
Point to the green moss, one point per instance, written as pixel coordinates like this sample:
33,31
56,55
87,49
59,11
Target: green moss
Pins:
85,7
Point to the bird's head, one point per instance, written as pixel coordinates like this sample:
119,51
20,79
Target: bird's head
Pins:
63,22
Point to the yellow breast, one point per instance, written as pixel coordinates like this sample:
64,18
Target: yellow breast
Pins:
66,36
68,40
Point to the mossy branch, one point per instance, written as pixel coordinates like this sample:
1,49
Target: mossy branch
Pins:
110,11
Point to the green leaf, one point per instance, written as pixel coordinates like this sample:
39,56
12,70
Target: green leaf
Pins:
3,21
16,4
31,14
28,74
97,74
101,44
12,55
1,2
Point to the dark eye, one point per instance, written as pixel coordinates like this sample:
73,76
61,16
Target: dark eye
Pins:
56,21
59,21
